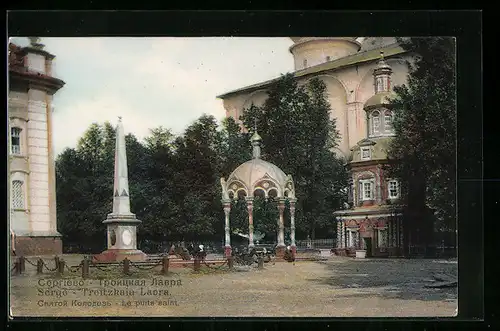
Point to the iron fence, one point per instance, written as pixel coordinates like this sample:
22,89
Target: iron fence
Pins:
316,243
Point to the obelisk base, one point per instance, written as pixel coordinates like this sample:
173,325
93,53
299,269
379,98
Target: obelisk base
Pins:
117,255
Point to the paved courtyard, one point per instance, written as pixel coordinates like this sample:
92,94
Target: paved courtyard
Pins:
339,287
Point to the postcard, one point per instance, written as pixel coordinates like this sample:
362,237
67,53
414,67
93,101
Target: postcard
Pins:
232,177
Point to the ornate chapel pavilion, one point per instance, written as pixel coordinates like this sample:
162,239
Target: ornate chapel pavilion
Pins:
259,177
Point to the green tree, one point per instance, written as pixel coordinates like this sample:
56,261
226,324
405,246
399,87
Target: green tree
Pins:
234,147
197,180
299,136
84,184
423,152
160,210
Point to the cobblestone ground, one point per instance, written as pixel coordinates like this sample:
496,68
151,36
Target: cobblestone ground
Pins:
339,287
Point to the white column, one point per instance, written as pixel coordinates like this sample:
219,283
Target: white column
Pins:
227,210
339,233
281,225
292,224
250,221
342,231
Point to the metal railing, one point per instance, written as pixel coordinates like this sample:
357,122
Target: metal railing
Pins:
59,266
316,243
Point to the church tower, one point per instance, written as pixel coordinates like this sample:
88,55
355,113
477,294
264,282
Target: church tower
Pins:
32,193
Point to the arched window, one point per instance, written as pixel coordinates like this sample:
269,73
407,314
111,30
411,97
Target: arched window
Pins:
388,121
327,58
17,194
305,63
379,85
375,123
15,140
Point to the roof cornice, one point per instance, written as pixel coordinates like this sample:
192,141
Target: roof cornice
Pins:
345,62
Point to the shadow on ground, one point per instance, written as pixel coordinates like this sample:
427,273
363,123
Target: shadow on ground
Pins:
391,278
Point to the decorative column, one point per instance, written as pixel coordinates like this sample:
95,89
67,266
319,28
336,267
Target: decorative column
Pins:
227,209
292,225
280,249
250,221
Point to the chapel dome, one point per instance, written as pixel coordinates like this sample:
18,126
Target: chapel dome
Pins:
250,172
379,147
378,100
257,174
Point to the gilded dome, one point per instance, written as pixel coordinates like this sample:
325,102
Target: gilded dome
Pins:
378,100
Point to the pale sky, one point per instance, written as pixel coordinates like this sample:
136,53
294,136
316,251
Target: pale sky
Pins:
153,81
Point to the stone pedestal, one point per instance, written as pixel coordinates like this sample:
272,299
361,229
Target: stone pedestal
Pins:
280,252
117,255
33,245
361,254
227,251
294,251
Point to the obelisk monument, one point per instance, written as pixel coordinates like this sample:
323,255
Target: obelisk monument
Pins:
121,223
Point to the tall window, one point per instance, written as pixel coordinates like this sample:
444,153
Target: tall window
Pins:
388,122
382,238
380,123
352,242
304,63
17,194
366,189
375,123
393,187
379,85
328,58
15,134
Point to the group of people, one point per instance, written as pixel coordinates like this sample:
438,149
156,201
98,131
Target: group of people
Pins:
191,251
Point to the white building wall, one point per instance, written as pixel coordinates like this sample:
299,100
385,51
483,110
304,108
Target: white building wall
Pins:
315,52
38,160
20,217
348,90
18,164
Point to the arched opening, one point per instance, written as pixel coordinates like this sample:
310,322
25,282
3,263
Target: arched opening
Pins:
241,194
273,194
374,123
17,194
259,194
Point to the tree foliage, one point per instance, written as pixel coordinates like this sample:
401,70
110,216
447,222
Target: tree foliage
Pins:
175,179
423,151
298,136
